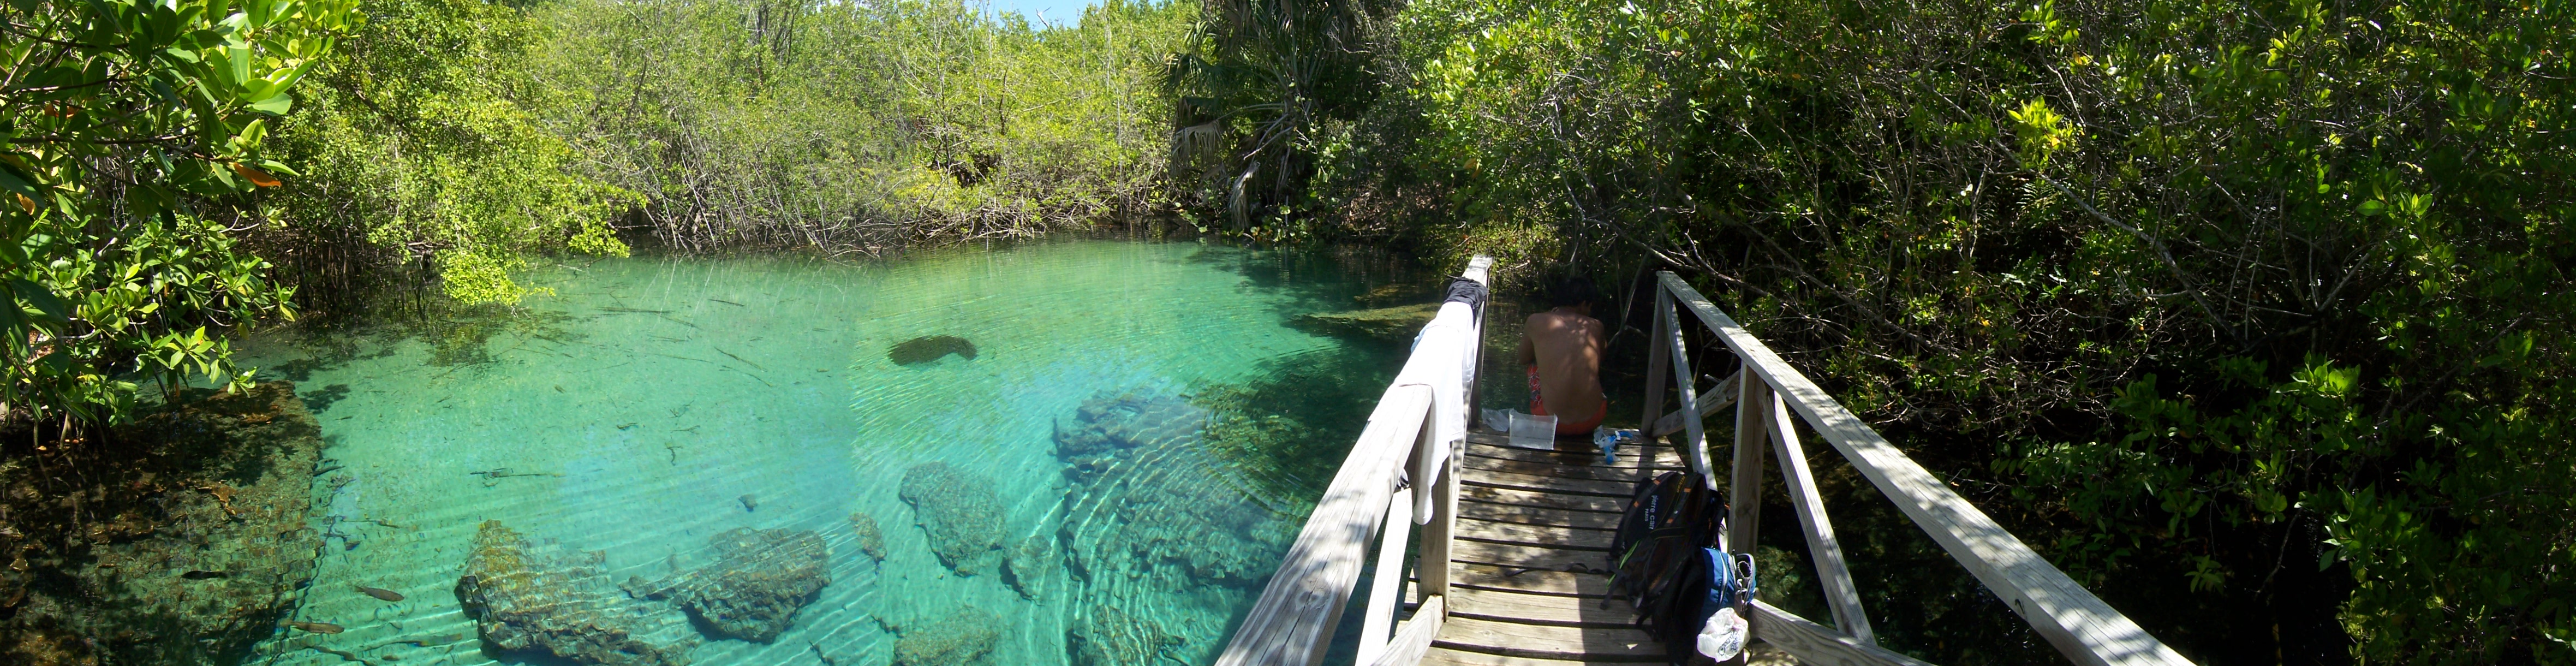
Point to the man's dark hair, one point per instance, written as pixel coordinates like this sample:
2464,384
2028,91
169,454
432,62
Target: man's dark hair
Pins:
1573,291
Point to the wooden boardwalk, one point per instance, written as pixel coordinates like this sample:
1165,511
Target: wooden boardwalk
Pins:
1515,543
1531,555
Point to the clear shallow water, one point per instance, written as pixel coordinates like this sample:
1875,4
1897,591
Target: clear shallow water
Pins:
634,410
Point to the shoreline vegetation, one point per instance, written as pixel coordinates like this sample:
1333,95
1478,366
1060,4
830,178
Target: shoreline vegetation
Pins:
2259,318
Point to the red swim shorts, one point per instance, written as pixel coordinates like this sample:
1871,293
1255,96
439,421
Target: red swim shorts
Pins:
1538,407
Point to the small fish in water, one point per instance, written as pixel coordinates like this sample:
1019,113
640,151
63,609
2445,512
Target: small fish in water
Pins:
380,593
930,348
750,503
316,627
437,640
202,575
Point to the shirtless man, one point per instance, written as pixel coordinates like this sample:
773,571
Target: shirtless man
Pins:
1562,348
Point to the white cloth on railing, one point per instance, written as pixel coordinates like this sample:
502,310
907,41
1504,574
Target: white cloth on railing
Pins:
1444,358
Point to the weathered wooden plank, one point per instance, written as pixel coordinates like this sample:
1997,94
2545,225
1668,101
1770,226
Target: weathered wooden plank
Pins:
1538,499
1532,581
1480,464
1546,558
1717,398
1819,645
1542,641
1526,608
1552,484
1744,485
1445,657
1665,456
1379,621
1409,644
1819,528
1694,442
1659,359
1487,530
1541,517
1297,610
1434,566
2078,623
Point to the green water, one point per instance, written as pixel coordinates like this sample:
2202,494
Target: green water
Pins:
637,406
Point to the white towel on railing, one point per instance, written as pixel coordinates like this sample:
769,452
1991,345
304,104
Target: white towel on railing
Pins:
1444,357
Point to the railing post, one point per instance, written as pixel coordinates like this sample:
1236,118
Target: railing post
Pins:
1694,445
1386,588
1433,567
1822,546
1659,360
1744,489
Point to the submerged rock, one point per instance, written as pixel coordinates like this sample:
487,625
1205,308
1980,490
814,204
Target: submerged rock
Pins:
1111,424
1111,637
958,511
871,540
760,578
535,599
1148,503
1150,513
183,540
966,637
930,348
1029,565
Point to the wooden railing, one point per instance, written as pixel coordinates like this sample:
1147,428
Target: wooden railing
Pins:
2083,628
1402,473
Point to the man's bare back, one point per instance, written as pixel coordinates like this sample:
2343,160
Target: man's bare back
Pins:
1563,347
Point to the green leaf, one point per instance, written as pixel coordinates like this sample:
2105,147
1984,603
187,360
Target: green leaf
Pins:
275,105
37,295
13,180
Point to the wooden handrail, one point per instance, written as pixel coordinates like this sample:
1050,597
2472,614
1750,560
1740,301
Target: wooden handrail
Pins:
2070,617
1421,419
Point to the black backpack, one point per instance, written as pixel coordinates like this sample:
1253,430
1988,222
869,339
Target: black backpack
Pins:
1659,558
1668,517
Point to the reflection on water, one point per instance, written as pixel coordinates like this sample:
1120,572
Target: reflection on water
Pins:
1073,452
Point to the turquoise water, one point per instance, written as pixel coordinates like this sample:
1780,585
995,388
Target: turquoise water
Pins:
648,405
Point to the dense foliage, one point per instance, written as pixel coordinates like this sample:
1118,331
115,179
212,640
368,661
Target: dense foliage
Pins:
859,128
425,147
2253,315
1256,88
131,139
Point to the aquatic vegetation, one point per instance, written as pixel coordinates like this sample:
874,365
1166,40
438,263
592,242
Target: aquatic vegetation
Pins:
958,511
1286,430
871,539
961,639
752,591
929,348
1149,513
1029,565
198,532
1393,323
1147,502
540,600
1110,424
1111,637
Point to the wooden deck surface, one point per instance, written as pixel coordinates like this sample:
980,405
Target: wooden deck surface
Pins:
1531,559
